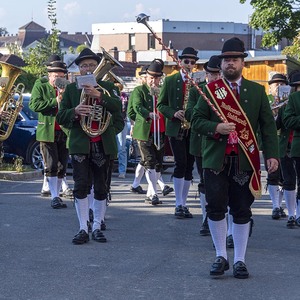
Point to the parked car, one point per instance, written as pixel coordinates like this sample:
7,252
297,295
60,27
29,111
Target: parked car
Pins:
22,142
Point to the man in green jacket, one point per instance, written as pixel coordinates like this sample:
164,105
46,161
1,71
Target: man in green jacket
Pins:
172,104
45,99
90,153
229,114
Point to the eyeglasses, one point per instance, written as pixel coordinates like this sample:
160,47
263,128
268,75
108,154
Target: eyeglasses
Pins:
189,61
91,66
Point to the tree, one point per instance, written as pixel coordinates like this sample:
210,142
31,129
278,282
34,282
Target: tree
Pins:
3,31
278,18
36,57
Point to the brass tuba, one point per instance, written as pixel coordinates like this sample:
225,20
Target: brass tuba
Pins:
9,106
98,115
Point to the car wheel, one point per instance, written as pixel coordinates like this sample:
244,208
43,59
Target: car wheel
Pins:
34,156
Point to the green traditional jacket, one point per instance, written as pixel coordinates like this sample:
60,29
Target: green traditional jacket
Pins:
78,141
195,137
254,102
170,100
142,103
43,101
291,120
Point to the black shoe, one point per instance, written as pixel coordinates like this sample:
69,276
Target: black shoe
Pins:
291,223
204,230
138,190
68,193
57,203
187,213
155,200
240,270
80,238
219,266
103,226
282,213
229,242
98,236
179,213
276,213
45,193
298,221
167,190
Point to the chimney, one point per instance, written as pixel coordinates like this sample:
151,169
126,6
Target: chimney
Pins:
114,52
130,56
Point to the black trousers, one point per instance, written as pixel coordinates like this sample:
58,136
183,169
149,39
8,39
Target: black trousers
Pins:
151,157
201,188
55,155
91,169
229,187
184,161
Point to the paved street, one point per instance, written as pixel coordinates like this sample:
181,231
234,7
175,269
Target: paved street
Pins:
149,253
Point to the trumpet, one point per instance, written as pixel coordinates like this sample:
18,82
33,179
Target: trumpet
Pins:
279,105
154,92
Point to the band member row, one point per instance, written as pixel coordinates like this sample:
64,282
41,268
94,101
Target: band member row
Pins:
172,104
231,159
90,155
149,127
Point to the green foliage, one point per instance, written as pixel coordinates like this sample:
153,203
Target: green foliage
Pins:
278,18
3,31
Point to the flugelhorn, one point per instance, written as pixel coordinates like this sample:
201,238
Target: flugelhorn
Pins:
143,18
9,106
99,116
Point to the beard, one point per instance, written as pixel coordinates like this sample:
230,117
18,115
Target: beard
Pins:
232,74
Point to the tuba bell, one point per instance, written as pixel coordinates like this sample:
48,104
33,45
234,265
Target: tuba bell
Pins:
9,106
98,115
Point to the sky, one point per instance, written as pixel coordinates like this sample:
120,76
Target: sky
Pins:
78,16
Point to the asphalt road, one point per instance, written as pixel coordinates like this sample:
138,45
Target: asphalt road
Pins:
149,253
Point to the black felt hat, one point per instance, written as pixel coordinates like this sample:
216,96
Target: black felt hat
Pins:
278,78
87,53
295,79
213,65
52,58
57,66
189,52
155,68
233,47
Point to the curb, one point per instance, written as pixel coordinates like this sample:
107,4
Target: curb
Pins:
20,176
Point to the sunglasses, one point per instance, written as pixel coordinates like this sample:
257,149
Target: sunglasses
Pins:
188,61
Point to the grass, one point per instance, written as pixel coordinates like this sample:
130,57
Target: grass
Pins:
16,165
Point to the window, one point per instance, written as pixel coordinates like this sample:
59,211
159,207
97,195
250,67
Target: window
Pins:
131,41
151,41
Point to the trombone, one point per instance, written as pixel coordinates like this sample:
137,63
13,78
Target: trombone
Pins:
154,92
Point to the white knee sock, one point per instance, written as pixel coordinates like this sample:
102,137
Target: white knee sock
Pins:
185,191
45,186
64,184
99,213
274,195
59,183
203,206
178,187
52,181
240,234
218,231
139,173
229,224
280,196
152,180
82,210
290,202
297,208
160,180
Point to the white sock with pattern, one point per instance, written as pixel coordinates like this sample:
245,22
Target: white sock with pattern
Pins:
218,231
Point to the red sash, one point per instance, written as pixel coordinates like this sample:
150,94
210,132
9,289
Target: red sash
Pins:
230,109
